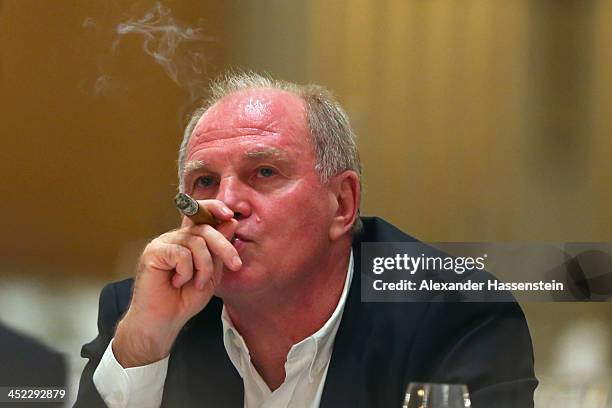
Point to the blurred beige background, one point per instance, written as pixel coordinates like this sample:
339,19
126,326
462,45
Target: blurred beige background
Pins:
478,121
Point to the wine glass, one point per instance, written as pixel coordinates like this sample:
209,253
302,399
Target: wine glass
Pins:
432,395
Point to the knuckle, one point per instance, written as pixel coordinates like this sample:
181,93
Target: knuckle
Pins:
166,236
146,263
159,238
197,241
151,246
183,253
207,229
149,252
171,252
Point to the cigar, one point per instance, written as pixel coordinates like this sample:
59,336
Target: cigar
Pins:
190,207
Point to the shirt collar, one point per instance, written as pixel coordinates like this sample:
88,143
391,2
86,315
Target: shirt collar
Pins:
317,347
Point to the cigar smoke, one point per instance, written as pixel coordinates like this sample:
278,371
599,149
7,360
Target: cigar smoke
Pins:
175,46
172,45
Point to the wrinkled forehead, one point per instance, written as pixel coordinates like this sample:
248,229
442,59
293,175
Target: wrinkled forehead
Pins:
262,109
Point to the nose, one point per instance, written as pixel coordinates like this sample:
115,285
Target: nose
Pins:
235,195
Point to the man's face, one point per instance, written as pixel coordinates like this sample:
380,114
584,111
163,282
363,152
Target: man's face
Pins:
252,151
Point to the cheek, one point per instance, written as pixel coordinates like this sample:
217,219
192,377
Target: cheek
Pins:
303,210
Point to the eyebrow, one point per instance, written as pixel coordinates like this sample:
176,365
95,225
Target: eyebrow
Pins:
193,166
267,153
258,153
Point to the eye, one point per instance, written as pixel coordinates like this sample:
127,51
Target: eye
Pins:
265,172
204,181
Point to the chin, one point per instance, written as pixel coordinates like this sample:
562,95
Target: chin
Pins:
239,284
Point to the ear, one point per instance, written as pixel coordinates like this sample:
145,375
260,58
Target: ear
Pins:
346,192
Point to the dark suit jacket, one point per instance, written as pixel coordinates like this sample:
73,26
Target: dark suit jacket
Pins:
378,350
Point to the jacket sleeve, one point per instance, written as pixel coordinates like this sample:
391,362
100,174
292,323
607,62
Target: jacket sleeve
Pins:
108,317
490,350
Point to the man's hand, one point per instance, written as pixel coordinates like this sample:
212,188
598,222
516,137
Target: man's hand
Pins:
176,278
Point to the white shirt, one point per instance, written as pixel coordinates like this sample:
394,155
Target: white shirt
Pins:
305,369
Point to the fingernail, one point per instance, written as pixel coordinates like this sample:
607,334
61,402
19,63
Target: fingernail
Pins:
236,262
227,211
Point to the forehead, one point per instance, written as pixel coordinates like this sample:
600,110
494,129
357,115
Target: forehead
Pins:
250,113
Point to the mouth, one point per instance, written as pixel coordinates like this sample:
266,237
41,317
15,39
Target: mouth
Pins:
238,239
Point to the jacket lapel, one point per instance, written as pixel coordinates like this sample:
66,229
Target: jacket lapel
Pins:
351,362
345,382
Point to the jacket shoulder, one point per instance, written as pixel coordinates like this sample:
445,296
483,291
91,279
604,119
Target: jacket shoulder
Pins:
114,301
376,229
119,293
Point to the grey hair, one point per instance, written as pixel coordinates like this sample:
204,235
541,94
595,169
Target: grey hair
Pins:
333,139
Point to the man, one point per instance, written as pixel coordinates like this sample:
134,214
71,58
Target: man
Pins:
265,310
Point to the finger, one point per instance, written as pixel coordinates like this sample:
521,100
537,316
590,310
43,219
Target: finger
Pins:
217,272
220,245
186,221
204,276
203,261
179,258
196,244
216,207
207,269
228,228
